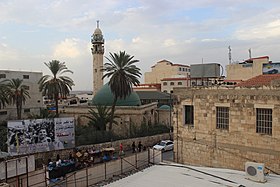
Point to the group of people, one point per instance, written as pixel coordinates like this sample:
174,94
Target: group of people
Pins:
135,149
140,147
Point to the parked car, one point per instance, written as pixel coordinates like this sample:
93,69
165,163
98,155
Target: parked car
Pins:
164,145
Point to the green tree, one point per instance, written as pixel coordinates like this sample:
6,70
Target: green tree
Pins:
57,85
17,94
3,94
100,118
123,74
44,114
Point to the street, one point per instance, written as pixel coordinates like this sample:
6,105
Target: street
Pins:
168,156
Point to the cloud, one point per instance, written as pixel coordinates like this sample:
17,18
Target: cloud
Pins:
260,31
169,42
68,48
137,40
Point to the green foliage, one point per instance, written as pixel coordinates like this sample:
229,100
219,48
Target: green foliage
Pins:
44,114
57,85
86,135
123,75
3,94
17,94
3,136
98,120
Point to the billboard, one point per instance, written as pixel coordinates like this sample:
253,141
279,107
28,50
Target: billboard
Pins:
271,68
39,135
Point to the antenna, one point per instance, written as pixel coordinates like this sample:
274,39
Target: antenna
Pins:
229,54
250,53
97,22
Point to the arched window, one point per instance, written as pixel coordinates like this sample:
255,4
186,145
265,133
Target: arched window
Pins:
172,83
180,83
164,83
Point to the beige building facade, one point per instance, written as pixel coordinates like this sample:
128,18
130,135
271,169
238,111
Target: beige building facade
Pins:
168,84
32,104
226,127
165,69
247,69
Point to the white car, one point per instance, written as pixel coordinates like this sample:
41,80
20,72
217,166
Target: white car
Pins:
164,145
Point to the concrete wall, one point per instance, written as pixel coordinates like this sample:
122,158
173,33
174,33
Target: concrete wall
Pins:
205,145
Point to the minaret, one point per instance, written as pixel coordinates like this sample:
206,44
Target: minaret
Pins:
97,50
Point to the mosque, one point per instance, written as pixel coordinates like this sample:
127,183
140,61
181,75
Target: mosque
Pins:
131,111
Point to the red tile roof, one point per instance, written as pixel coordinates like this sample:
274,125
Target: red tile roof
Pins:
261,57
261,80
173,79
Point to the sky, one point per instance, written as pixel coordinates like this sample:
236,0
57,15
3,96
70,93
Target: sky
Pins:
183,32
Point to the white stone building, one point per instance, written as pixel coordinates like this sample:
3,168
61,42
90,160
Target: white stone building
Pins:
32,105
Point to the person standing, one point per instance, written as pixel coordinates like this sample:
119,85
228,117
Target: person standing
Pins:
133,147
121,149
140,146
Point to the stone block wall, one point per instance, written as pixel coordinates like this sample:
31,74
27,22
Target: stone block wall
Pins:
205,145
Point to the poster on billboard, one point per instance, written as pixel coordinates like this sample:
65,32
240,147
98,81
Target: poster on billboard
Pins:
40,135
271,68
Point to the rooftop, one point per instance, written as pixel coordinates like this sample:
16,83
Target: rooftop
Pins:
181,175
261,80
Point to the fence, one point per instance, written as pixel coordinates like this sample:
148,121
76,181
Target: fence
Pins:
91,175
107,170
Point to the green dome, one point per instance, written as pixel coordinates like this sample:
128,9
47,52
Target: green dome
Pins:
105,97
164,107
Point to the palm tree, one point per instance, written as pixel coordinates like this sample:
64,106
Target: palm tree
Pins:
17,94
3,94
123,75
57,85
44,114
100,118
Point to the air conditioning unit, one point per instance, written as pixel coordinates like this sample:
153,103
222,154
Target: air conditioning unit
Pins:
255,171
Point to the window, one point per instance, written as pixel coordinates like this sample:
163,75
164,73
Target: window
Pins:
189,115
2,76
164,83
264,121
180,69
25,76
222,118
172,83
180,83
3,112
26,110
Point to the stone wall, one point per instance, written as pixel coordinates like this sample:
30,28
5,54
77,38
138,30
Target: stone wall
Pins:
148,141
205,145
128,116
